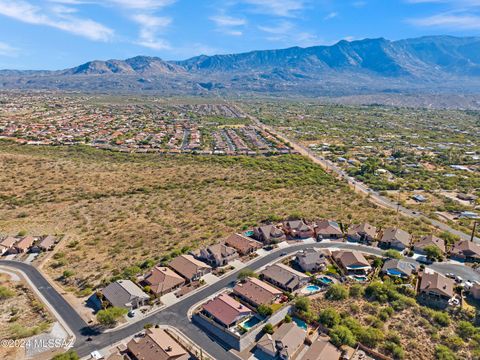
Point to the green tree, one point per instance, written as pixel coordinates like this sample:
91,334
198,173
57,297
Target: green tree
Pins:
268,329
341,335
302,304
370,337
329,317
264,310
441,318
336,292
288,318
245,273
433,252
110,316
67,274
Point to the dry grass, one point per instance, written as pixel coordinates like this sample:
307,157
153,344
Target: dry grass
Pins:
117,210
21,315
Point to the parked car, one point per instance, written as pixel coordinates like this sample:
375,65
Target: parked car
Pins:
450,275
458,279
131,313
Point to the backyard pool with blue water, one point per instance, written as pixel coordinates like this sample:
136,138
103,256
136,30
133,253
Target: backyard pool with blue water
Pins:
325,280
250,323
312,289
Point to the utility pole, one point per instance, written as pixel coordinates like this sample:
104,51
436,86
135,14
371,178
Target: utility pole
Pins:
473,230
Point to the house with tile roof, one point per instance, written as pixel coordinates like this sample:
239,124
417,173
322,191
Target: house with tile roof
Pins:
156,344
256,292
225,310
395,238
163,280
284,277
244,245
328,229
218,254
284,343
189,267
269,234
429,240
125,294
362,233
465,250
435,290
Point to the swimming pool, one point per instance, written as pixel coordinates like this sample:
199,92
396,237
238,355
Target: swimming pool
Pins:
248,233
325,280
250,323
300,323
312,289
360,278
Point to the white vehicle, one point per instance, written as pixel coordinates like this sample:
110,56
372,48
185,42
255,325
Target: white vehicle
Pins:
450,275
468,284
458,279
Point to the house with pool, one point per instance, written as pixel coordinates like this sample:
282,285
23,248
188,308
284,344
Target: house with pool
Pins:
398,268
353,263
226,311
284,277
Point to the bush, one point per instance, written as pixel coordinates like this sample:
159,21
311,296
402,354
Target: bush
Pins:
392,254
245,273
454,342
268,329
441,318
385,313
444,353
341,335
287,319
356,291
109,316
433,252
466,330
395,350
329,317
69,355
370,337
6,293
302,304
68,273
381,292
336,292
264,310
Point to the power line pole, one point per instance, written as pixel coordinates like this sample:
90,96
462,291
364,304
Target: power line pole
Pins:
473,230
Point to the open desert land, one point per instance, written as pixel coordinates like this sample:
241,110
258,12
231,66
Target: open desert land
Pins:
21,314
119,210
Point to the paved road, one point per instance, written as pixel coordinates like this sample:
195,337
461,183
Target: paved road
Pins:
358,186
177,314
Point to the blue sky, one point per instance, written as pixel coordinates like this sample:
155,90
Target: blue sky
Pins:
56,34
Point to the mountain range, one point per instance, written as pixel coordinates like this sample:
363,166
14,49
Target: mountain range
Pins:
434,64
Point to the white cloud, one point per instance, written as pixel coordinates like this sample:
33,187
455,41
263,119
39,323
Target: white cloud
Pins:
331,15
229,25
24,11
7,50
281,28
224,20
285,8
456,21
129,4
150,26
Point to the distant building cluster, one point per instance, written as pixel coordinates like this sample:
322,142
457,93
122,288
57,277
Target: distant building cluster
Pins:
159,128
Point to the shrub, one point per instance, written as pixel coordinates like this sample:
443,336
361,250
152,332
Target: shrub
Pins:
433,252
245,273
341,335
356,291
67,273
302,304
392,254
466,330
454,342
69,355
109,316
329,317
370,337
268,329
336,292
6,293
287,319
441,318
264,310
394,349
444,353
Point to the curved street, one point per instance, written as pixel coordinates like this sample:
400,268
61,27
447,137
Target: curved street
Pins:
176,315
